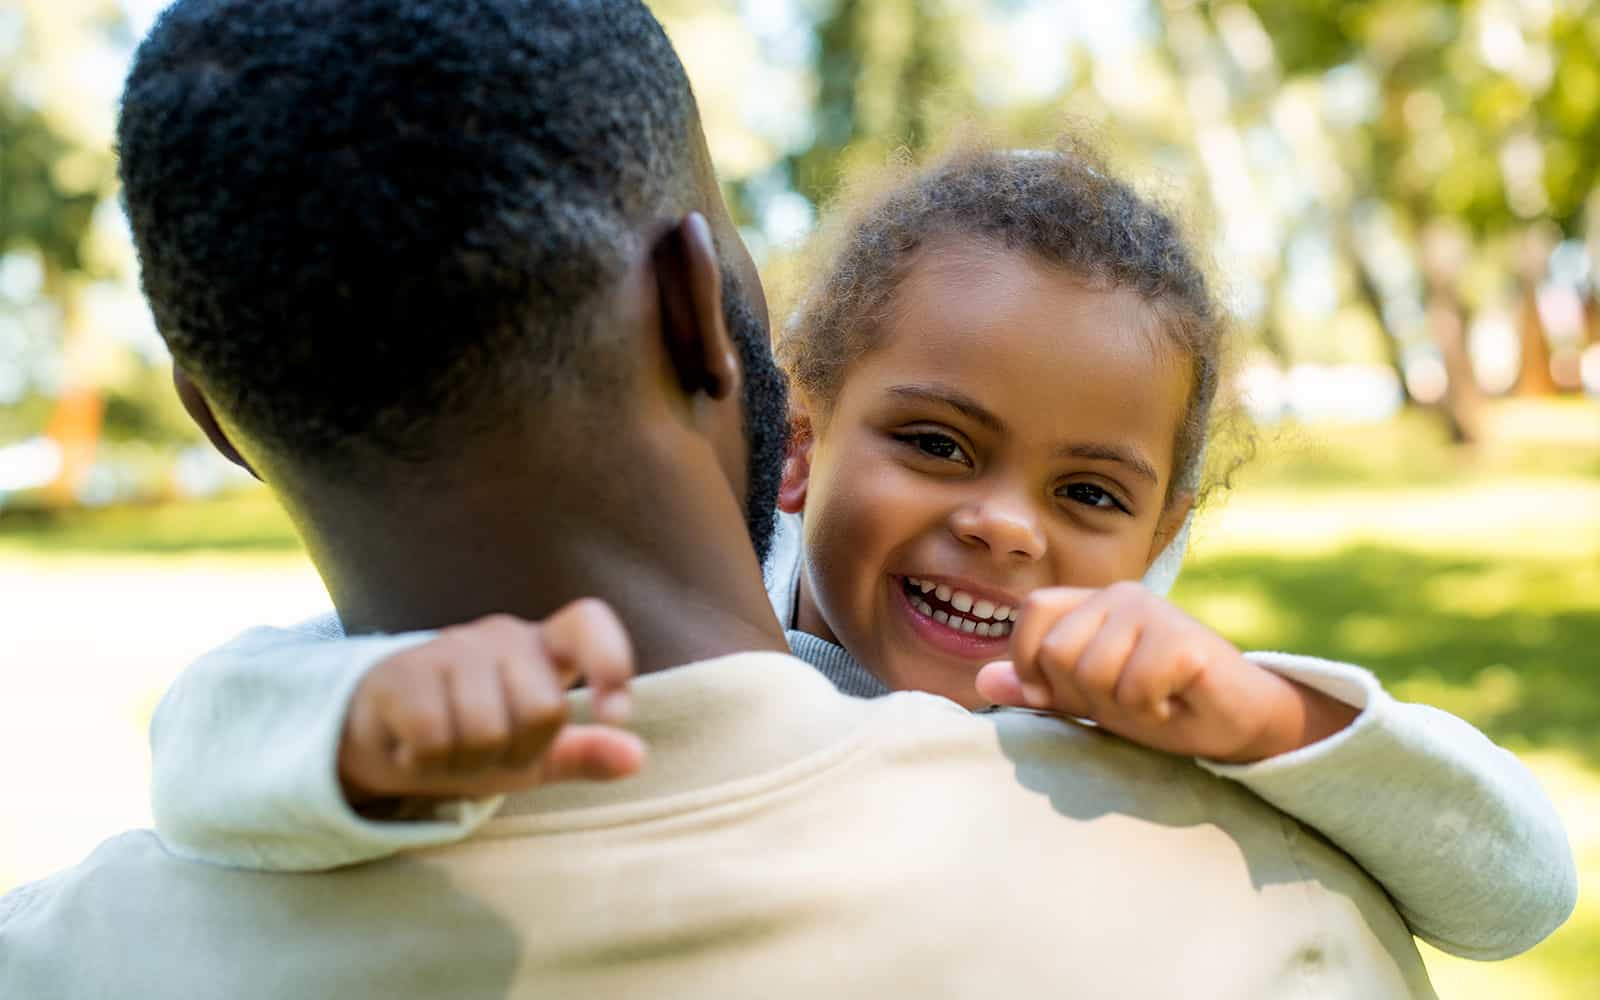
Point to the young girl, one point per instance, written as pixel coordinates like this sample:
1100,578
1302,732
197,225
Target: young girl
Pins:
1003,381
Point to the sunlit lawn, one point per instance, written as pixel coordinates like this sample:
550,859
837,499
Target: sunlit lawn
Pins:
1470,583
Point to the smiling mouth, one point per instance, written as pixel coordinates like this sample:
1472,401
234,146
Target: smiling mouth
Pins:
958,610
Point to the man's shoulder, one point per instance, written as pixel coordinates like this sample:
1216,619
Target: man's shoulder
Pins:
30,906
1018,758
1025,736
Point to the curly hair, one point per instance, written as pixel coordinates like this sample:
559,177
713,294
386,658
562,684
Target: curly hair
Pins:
361,220
1061,206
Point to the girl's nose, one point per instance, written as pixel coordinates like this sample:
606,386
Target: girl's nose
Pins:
1003,529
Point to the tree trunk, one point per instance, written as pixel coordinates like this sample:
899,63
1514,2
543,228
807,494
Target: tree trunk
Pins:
1462,402
1534,377
1372,297
1446,248
1533,370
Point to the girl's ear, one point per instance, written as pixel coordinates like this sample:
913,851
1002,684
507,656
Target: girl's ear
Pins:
1171,523
797,463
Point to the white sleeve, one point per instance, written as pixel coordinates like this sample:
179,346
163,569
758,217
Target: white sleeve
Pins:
1455,828
245,747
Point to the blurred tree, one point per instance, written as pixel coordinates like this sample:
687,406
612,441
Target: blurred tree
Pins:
887,75
1487,114
52,178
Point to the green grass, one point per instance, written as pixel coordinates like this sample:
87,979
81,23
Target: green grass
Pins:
246,521
1513,645
1465,579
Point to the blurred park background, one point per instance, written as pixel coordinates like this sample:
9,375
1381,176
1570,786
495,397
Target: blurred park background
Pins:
1402,199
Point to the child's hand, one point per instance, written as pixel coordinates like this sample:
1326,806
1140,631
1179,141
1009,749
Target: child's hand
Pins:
481,710
1143,669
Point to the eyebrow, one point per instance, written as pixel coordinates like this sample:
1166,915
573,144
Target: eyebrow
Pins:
954,399
944,395
1113,453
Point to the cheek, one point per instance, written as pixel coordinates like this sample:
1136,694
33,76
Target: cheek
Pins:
858,515
1093,560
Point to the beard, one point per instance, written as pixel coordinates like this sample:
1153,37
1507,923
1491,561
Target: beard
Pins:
766,414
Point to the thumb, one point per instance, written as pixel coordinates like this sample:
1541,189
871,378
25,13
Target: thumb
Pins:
591,753
998,684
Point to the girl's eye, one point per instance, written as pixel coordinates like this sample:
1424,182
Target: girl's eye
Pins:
1091,495
935,444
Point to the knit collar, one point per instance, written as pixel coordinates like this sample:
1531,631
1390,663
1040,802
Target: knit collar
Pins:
837,665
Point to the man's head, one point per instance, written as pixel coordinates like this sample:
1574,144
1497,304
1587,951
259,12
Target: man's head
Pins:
374,232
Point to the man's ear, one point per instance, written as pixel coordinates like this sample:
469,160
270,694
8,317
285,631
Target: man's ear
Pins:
1171,523
689,280
199,410
797,463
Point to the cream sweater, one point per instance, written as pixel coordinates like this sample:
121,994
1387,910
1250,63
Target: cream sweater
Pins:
1455,828
785,841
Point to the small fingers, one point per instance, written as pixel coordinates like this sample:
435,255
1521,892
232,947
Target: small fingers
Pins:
1150,680
1059,654
1041,613
1101,660
537,706
416,713
366,752
479,716
586,640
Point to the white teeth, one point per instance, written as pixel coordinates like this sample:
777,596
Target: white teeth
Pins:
926,585
983,609
924,607
942,592
941,617
1002,628
984,629
1002,613
968,625
961,601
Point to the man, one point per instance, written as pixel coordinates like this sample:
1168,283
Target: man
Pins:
455,280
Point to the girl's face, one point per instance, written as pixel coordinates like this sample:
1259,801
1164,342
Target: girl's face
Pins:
1011,430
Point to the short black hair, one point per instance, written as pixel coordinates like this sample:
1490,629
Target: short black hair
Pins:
358,220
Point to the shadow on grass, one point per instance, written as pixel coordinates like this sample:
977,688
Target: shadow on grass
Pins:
1511,645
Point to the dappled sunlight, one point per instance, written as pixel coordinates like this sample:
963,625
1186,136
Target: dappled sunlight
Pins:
1373,634
1491,590
1550,517
1243,612
1375,605
1492,693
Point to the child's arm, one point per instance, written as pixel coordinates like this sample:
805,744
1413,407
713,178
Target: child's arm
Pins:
271,751
1455,828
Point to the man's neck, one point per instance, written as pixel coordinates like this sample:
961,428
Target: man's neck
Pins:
672,560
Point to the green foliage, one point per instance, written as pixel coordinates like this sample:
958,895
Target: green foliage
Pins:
885,70
1446,112
36,209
